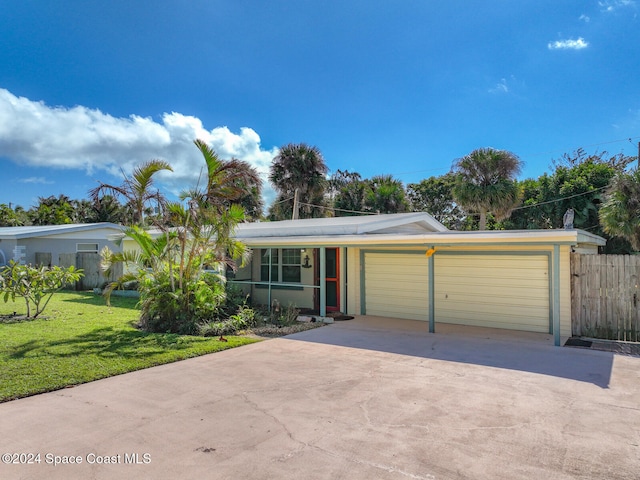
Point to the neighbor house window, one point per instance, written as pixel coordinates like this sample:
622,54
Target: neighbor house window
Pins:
87,247
285,265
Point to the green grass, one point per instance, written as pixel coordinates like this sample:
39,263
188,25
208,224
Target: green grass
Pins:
81,340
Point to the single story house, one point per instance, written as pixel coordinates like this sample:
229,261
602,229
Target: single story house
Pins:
411,266
44,244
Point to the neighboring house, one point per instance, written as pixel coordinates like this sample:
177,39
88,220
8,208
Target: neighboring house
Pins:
410,266
25,244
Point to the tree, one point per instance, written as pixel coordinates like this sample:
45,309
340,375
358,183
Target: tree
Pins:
178,290
620,213
347,190
385,194
485,182
434,195
137,190
228,182
12,218
35,285
52,211
301,167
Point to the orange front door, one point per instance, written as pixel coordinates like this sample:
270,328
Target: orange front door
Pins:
333,279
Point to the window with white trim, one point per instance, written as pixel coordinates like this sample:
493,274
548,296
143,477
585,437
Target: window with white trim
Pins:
86,247
285,265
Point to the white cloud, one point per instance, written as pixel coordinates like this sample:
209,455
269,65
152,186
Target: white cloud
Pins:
584,18
81,138
569,44
611,5
501,87
40,180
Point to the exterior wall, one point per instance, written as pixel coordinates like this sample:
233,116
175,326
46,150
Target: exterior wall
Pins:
7,247
300,298
57,246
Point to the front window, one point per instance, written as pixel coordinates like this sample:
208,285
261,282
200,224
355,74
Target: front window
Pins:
285,265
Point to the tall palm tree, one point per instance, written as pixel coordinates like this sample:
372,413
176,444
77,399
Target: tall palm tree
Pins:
301,167
486,182
137,190
228,182
620,214
386,194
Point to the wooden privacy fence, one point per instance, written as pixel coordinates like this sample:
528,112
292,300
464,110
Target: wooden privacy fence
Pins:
605,298
90,264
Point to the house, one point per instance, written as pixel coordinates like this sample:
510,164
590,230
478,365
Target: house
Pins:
411,266
32,244
63,245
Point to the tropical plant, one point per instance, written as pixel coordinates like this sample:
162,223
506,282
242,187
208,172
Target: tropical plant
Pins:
620,214
10,217
485,182
385,194
52,210
434,195
181,269
35,285
299,167
347,191
137,190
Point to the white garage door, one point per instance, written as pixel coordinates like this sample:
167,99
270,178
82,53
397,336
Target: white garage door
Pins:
499,291
397,285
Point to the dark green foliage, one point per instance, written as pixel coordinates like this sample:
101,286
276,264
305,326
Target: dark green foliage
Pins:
485,182
302,167
620,214
434,195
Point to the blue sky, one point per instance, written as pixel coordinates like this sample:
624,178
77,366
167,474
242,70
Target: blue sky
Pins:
89,89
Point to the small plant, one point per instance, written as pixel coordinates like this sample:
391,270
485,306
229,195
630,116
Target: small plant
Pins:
285,317
35,285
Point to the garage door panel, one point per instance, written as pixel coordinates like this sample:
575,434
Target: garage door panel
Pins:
396,285
501,291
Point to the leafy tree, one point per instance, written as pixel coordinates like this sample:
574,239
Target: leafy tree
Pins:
620,213
485,182
302,167
434,195
178,290
137,191
12,218
385,194
579,181
348,193
109,209
52,211
228,182
35,285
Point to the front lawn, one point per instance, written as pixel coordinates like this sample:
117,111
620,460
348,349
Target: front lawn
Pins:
80,339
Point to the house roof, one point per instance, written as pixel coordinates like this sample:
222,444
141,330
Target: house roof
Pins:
33,231
408,223
395,229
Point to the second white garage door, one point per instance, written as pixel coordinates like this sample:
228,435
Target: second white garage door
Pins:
396,285
499,291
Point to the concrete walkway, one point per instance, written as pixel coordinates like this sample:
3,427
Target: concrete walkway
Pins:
368,399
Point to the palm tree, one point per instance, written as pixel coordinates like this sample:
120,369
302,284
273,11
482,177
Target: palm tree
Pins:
301,167
137,190
620,214
228,182
485,182
385,194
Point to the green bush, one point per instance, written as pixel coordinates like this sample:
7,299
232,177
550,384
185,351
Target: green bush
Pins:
246,318
35,285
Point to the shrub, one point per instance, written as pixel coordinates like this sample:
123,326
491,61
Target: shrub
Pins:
35,285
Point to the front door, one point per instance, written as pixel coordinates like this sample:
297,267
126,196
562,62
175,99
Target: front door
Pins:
333,279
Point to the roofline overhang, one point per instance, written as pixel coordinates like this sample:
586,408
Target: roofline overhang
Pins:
448,238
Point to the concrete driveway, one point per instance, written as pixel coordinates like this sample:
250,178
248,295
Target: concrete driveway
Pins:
368,399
